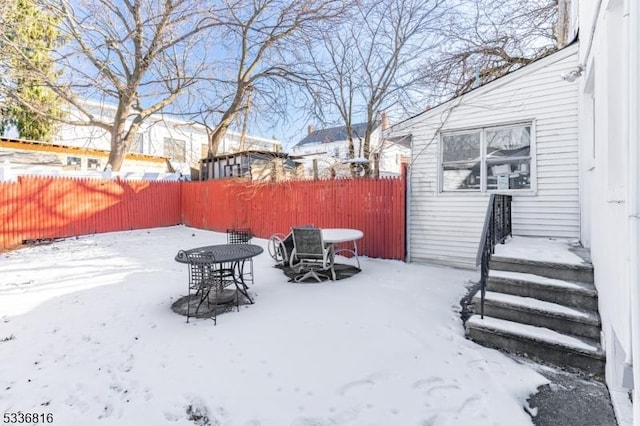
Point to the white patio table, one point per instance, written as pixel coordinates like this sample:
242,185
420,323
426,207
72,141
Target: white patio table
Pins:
343,235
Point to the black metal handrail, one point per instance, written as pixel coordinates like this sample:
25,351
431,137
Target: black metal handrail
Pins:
496,229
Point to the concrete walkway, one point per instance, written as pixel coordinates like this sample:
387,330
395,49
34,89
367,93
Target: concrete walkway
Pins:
570,399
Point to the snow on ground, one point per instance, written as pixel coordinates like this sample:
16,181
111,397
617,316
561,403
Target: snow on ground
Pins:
555,250
87,334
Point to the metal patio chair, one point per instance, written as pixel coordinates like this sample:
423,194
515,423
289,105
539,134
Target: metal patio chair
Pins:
202,281
242,236
280,247
311,258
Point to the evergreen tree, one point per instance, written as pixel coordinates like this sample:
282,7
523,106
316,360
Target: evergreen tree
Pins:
29,36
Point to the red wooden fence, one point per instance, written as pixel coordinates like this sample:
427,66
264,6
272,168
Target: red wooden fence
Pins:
375,206
37,208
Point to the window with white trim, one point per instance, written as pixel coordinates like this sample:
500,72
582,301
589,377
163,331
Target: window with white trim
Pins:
74,162
175,149
138,144
487,159
93,163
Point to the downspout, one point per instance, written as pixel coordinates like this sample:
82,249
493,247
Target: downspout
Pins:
407,218
634,198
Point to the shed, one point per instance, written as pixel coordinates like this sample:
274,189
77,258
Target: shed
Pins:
256,165
516,135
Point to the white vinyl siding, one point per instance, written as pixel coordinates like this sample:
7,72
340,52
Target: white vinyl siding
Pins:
445,227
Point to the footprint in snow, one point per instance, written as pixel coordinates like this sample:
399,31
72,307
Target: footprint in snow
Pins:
426,383
356,386
468,402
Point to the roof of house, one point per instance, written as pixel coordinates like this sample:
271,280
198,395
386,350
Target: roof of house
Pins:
333,134
28,145
29,158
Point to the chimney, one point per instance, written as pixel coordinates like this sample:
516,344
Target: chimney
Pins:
427,108
309,129
384,120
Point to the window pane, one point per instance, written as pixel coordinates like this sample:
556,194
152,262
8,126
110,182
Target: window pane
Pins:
174,149
93,164
74,162
506,174
461,147
509,142
461,176
136,146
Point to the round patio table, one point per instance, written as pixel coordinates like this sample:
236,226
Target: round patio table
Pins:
217,262
221,253
343,235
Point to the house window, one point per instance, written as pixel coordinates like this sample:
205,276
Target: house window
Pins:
93,164
489,159
175,149
74,162
137,145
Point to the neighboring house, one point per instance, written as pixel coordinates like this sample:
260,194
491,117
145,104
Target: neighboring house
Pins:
516,135
22,157
255,165
392,154
326,151
609,105
184,143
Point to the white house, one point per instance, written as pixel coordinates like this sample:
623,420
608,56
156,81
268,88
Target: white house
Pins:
609,99
24,157
329,150
184,143
392,153
516,135
562,136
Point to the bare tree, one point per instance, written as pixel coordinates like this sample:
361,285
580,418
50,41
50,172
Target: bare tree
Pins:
332,82
136,54
258,40
371,64
488,39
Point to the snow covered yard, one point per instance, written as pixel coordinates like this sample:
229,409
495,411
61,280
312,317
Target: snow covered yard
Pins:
87,334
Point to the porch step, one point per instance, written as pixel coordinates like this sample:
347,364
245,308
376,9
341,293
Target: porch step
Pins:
561,271
541,301
538,342
568,293
532,311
